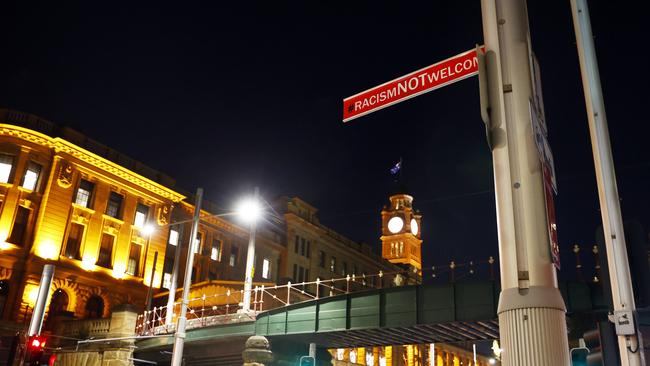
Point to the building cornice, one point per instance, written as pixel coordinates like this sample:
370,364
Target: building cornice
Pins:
209,218
60,145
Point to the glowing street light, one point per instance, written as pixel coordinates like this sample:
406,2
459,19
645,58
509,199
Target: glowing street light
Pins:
148,229
250,211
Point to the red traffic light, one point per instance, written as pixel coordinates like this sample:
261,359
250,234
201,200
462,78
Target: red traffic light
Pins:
36,342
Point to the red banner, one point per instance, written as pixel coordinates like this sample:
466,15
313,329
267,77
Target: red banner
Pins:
408,86
550,216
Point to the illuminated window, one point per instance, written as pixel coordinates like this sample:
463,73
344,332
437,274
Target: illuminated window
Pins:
106,251
173,237
266,269
333,264
31,176
215,253
141,213
84,193
133,264
344,269
197,242
73,245
114,207
19,229
6,163
234,253
167,280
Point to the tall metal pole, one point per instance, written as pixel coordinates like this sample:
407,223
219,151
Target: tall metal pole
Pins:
169,315
179,335
610,209
250,260
531,309
39,308
153,273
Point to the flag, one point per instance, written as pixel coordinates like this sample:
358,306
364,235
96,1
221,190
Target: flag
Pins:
394,170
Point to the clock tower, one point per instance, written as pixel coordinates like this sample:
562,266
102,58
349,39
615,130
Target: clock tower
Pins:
401,241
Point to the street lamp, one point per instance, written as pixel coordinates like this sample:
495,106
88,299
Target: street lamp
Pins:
179,335
250,211
148,229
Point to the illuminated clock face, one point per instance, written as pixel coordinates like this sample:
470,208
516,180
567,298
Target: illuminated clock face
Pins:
414,227
395,224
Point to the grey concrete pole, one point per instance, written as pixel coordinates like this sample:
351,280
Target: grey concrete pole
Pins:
179,335
153,273
531,309
169,315
610,209
39,308
250,260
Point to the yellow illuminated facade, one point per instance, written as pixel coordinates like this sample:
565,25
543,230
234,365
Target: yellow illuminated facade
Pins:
64,200
63,204
408,355
316,251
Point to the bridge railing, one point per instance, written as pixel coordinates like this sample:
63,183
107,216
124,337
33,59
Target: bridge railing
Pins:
223,308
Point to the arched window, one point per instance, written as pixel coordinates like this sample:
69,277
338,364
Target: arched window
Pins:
94,307
4,293
59,302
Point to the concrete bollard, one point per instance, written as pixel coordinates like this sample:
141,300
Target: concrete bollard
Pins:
257,351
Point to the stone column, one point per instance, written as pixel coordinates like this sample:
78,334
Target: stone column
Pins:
123,318
257,351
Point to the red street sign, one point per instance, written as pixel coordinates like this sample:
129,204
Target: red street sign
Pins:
408,86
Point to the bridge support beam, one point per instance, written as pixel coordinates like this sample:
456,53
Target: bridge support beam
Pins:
531,310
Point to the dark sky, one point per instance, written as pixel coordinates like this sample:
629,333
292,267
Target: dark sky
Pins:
230,96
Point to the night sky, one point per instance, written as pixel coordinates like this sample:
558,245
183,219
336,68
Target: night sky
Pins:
227,97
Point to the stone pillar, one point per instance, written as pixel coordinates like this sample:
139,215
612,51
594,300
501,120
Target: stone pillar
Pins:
123,320
257,351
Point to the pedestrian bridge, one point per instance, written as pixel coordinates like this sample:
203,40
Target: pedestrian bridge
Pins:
415,314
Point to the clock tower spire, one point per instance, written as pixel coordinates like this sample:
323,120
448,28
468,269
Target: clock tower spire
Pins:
401,232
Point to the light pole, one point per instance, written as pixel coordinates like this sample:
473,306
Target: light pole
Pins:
148,230
532,314
610,208
250,212
179,335
169,316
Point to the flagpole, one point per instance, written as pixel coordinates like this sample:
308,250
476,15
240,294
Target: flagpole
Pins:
399,177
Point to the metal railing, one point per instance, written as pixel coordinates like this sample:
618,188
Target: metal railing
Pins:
226,308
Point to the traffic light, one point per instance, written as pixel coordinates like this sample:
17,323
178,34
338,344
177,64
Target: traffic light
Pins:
579,356
593,341
35,349
307,361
